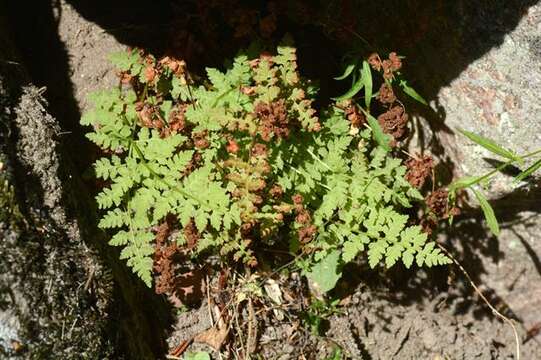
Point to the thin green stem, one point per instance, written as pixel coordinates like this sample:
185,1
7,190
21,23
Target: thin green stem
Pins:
501,167
538,151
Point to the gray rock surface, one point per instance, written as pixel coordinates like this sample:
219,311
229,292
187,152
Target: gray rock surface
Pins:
387,330
497,96
479,65
63,292
55,292
88,49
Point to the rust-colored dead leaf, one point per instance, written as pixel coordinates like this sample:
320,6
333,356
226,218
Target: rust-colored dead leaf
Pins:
214,337
345,301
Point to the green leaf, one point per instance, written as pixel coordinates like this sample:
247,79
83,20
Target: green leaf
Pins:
491,145
180,89
124,60
489,213
530,170
355,88
336,355
394,252
347,72
353,246
113,218
429,256
349,179
202,355
407,258
381,138
376,251
165,108
412,93
367,81
201,221
326,272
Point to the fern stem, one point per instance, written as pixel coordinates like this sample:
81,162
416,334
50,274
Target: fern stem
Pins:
305,175
319,160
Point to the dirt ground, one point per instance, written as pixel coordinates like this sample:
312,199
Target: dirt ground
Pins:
426,315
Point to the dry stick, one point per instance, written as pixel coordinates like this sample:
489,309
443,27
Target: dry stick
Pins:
251,341
494,311
179,350
235,316
251,338
209,305
239,331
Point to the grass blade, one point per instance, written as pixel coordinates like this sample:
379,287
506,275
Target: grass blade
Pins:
381,138
489,213
367,80
412,93
347,72
530,170
490,145
355,88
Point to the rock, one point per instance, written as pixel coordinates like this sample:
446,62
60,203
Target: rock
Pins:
56,293
497,96
479,65
63,292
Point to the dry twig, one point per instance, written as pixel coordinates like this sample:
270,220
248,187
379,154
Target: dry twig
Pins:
494,311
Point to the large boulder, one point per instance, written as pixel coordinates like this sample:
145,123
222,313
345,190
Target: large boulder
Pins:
497,96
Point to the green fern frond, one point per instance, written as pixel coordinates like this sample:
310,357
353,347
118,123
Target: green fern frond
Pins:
226,155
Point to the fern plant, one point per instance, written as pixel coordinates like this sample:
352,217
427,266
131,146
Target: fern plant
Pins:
241,159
